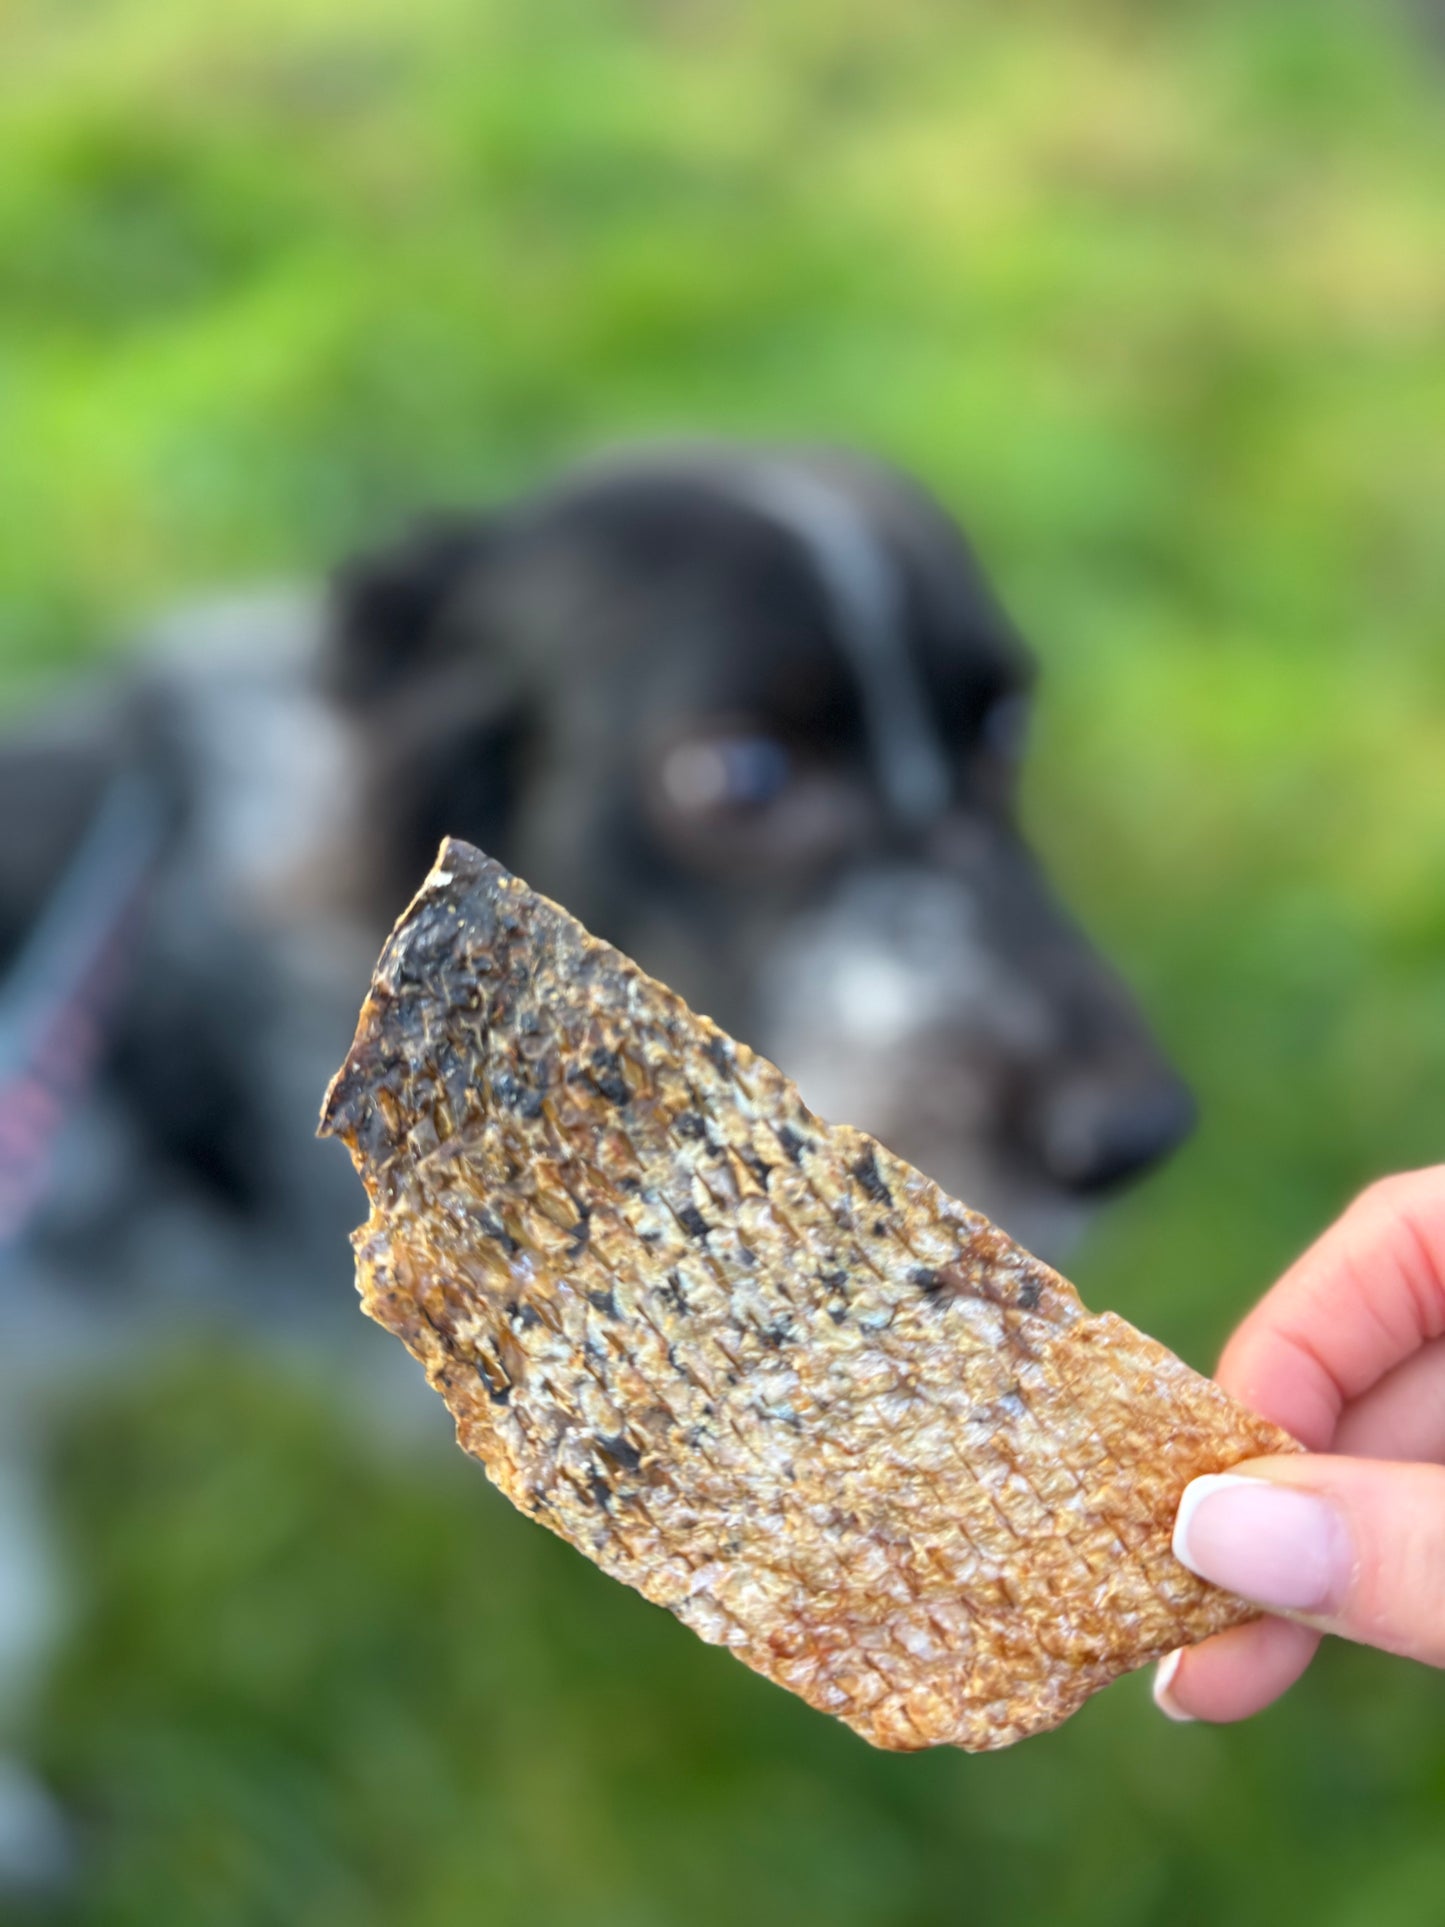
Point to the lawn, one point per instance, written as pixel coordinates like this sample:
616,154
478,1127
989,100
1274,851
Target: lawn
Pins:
1155,297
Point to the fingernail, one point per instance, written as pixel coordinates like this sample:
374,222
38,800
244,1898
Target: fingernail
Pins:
1273,1544
1163,1679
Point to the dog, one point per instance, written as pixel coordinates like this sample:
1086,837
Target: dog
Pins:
754,715
759,720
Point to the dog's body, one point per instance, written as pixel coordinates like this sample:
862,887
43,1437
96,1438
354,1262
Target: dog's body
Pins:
754,717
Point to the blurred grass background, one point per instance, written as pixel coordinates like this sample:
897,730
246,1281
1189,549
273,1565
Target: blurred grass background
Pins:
1154,296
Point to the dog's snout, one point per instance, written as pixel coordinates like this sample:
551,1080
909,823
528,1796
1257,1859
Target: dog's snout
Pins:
1097,1138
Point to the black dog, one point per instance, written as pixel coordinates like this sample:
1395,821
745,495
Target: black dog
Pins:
758,720
753,716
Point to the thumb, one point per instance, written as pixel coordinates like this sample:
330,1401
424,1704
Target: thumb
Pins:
1351,1546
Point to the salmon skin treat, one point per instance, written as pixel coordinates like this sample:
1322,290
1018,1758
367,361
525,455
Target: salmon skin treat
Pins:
751,1363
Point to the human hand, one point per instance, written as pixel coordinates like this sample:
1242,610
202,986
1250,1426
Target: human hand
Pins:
1347,1352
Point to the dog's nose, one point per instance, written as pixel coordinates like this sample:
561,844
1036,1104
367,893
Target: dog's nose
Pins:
1096,1139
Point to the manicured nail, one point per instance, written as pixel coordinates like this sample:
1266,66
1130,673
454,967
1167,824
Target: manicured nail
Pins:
1282,1548
1163,1679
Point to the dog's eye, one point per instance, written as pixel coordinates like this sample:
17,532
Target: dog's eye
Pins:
723,774
1004,729
740,802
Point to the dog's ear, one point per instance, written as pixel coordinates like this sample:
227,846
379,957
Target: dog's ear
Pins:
468,784
388,608
416,657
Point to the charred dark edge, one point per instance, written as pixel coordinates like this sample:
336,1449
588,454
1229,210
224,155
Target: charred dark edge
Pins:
436,916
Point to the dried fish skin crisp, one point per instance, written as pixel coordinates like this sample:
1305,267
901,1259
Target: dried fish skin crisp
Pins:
751,1363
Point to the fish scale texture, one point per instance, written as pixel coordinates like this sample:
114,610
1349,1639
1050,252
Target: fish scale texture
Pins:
751,1363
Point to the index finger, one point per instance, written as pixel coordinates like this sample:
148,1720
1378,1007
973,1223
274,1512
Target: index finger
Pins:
1366,1295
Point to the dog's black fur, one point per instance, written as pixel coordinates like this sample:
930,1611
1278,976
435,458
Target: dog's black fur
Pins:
755,716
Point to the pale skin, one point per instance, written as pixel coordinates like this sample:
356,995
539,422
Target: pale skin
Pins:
1347,1352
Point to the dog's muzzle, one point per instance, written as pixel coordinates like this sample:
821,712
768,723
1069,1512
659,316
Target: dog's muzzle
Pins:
998,1053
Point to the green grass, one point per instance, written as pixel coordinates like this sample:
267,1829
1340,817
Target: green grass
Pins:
1154,297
